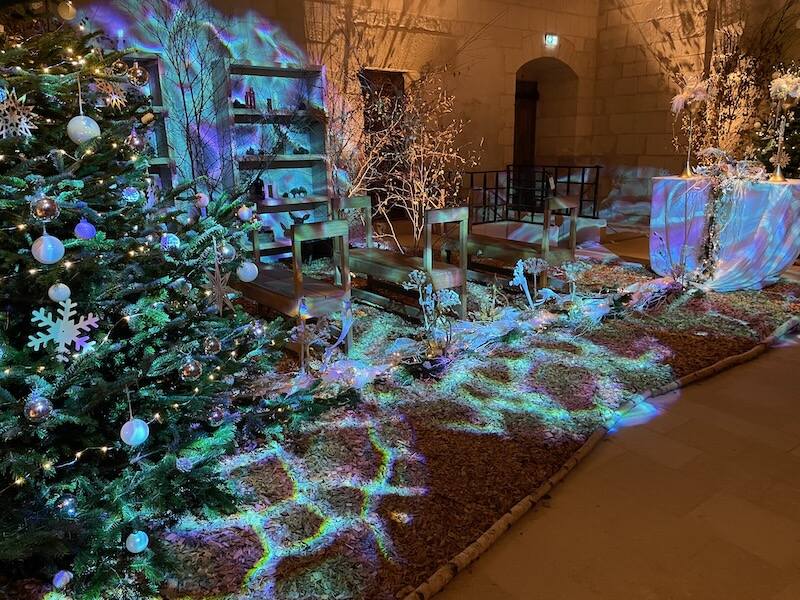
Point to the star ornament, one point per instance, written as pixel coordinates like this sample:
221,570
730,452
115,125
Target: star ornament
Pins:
114,95
780,159
217,287
16,118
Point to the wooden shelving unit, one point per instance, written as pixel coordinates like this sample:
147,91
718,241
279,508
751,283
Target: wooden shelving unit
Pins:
297,110
162,166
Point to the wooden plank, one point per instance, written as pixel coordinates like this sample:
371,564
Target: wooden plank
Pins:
277,70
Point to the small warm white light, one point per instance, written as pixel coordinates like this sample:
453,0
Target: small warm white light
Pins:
550,40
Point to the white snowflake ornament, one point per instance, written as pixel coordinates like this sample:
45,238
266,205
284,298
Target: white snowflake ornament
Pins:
63,331
16,118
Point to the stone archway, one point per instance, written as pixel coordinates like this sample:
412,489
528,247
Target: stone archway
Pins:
545,113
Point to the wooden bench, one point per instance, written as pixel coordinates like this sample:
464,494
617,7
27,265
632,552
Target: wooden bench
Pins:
394,267
508,251
284,290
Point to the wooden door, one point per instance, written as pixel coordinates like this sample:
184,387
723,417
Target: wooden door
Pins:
527,96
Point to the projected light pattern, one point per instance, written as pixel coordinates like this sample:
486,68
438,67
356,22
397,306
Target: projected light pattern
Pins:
312,490
247,38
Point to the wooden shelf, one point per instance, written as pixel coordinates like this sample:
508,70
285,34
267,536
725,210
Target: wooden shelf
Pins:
277,70
280,161
160,161
282,117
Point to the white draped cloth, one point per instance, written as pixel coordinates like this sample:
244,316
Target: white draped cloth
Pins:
758,224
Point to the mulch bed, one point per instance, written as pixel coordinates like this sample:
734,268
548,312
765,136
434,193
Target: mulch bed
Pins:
367,502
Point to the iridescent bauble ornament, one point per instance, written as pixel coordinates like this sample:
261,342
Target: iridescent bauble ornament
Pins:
170,241
134,432
37,408
85,230
191,370
45,208
66,10
58,292
47,249
216,416
137,542
201,200
227,252
130,194
81,129
137,75
245,213
211,345
119,67
67,506
247,271
62,579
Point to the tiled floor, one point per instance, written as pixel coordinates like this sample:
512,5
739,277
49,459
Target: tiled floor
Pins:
696,496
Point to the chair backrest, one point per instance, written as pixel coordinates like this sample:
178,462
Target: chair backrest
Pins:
436,216
362,203
308,203
339,231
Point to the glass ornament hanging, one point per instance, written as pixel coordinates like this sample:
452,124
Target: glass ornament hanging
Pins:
85,230
45,208
137,542
191,370
47,249
119,67
37,408
80,128
134,432
67,505
58,292
211,345
137,75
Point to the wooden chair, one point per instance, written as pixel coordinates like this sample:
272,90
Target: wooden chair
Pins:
394,267
283,290
263,247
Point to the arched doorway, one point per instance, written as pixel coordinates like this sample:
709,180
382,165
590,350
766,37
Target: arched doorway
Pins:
545,111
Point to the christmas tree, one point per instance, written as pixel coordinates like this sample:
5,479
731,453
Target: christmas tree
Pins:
120,344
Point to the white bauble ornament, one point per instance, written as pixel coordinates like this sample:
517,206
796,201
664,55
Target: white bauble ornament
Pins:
137,542
58,292
247,271
47,249
62,579
81,129
135,432
245,213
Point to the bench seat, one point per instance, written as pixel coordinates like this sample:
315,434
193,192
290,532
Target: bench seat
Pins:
395,268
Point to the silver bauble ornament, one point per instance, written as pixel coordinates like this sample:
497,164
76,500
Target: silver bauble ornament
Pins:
211,345
81,129
191,370
247,271
227,252
45,208
47,249
134,432
137,75
37,408
137,542
67,506
58,292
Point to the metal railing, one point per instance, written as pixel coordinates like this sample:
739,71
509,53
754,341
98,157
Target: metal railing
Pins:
518,192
